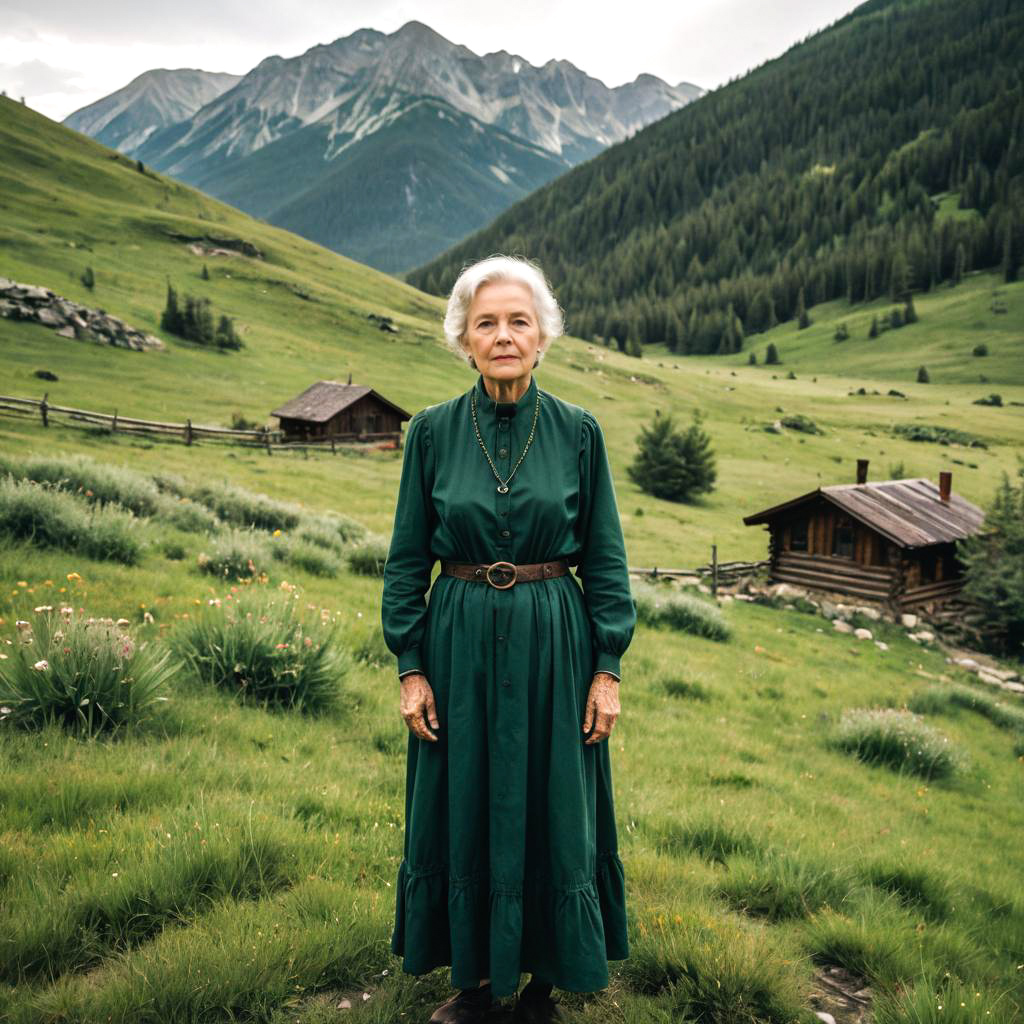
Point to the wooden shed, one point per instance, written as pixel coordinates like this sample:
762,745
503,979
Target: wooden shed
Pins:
328,411
890,541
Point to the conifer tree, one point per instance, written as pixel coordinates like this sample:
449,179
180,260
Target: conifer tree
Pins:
671,464
171,318
205,275
909,313
771,355
873,331
88,278
803,320
922,375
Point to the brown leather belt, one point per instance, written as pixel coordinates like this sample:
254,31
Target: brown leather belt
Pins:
505,573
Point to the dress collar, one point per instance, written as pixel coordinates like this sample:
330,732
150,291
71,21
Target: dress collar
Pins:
484,400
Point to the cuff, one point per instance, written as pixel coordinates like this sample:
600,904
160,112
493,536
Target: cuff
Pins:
410,659
608,662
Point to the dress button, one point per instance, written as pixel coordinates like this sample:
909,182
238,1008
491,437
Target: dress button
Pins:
504,533
506,682
503,452
501,637
503,425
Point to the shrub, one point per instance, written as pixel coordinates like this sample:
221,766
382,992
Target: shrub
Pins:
993,399
798,421
260,646
367,558
86,674
897,739
236,554
173,551
660,604
980,349
243,508
47,517
771,354
97,482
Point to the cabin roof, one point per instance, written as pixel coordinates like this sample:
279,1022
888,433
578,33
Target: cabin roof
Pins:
909,512
326,398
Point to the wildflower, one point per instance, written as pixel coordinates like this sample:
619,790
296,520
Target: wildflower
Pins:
214,602
22,583
73,577
276,533
42,665
66,611
122,622
24,631
147,618
280,646
43,608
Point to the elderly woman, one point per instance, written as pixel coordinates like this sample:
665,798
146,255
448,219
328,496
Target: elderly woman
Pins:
509,668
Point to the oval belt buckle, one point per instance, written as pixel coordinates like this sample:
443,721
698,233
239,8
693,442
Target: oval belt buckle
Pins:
502,586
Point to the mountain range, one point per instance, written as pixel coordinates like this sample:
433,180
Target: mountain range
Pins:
388,148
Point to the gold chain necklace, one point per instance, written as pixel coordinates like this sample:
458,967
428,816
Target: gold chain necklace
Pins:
503,484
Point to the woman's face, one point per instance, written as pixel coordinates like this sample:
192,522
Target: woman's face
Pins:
502,333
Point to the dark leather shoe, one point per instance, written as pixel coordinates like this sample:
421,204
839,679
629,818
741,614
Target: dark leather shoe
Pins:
461,1009
537,1011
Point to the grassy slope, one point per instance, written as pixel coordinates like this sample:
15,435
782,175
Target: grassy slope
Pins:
759,769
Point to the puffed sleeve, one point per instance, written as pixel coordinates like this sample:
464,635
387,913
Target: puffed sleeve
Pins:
603,569
409,562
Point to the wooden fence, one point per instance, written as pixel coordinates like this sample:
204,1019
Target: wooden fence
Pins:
187,432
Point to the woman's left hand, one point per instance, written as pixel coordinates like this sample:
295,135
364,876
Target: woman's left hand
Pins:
602,707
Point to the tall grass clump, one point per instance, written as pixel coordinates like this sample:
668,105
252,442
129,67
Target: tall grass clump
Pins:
260,646
367,557
897,739
185,514
318,561
659,604
236,554
86,674
939,699
240,507
945,999
334,531
97,482
47,517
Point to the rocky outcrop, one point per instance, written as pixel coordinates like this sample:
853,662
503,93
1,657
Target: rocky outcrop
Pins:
71,319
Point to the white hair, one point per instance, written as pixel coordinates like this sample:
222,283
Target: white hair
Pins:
501,268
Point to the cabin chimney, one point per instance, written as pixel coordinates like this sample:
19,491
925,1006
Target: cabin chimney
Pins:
945,479
862,471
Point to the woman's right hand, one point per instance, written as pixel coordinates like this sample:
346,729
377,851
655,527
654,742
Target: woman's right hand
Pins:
417,705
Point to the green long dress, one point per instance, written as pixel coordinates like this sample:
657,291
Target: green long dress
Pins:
510,859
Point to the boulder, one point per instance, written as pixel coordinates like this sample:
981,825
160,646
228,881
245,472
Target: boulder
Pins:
923,636
881,645
841,626
908,620
862,634
869,613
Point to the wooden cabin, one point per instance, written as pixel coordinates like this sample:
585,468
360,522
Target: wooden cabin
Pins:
329,411
890,541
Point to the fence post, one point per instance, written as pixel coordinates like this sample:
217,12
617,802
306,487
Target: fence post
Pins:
43,407
714,570
113,423
333,452
188,431
266,438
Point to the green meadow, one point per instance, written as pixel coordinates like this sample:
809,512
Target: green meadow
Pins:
224,862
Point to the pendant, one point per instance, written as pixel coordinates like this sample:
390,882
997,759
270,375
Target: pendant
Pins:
503,489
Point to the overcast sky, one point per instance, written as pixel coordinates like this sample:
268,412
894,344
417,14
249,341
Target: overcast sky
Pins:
64,54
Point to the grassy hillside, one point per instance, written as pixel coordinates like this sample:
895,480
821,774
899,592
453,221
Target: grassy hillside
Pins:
228,863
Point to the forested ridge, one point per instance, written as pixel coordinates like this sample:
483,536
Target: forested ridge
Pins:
882,155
